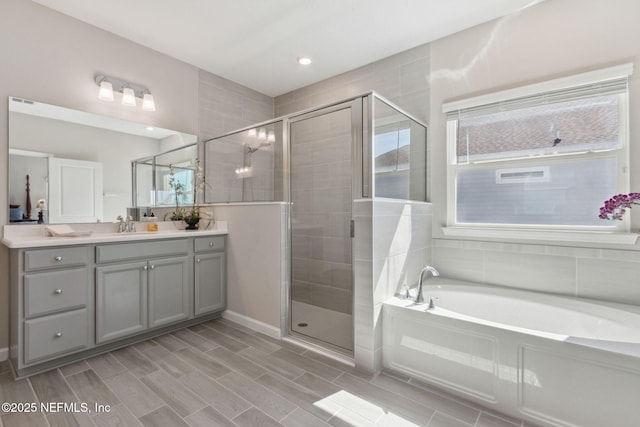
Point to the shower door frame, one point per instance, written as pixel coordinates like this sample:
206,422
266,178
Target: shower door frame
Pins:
358,106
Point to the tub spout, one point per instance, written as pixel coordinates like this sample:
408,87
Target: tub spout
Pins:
419,298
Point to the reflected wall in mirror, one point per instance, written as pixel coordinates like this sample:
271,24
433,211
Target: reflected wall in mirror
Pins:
78,163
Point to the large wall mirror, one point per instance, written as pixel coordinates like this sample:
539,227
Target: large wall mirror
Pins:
69,166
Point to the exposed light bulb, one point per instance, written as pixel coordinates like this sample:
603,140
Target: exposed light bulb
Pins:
253,133
128,97
105,93
262,134
271,136
303,60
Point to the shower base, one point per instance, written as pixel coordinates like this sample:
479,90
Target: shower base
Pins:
322,324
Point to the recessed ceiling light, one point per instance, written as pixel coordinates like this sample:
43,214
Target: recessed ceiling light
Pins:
303,60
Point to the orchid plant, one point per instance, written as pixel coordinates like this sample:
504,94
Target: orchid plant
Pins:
180,192
615,207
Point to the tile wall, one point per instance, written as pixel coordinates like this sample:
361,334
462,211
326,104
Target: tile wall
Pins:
392,245
602,274
402,78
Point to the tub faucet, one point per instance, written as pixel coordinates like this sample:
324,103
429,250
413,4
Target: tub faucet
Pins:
419,298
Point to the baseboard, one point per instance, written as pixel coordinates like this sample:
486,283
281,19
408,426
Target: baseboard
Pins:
251,323
4,354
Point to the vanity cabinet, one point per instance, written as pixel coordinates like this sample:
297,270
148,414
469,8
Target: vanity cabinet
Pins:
75,301
54,304
134,296
210,274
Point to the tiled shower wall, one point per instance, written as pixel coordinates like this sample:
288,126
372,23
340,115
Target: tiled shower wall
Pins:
402,78
225,106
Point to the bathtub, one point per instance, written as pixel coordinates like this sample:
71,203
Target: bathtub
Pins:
551,360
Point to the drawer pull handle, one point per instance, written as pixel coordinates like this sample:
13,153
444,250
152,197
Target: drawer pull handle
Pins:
210,244
58,258
58,291
144,268
152,266
198,260
58,334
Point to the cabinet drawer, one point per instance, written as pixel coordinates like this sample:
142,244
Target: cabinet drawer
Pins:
55,335
206,244
133,250
55,290
39,259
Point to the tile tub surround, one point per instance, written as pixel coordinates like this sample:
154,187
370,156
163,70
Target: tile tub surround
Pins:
16,236
257,381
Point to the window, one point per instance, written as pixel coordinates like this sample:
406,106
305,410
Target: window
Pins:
541,156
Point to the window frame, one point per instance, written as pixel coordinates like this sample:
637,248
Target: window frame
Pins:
612,232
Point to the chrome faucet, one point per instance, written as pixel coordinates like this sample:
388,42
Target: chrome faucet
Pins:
126,226
121,224
419,298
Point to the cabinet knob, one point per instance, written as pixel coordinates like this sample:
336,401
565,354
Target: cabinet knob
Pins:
144,268
58,258
58,334
210,244
58,291
197,259
152,266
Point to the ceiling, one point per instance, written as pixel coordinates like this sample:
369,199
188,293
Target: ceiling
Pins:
257,42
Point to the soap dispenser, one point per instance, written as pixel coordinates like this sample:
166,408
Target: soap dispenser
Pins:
152,224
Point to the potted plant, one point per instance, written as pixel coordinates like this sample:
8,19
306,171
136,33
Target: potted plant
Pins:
192,215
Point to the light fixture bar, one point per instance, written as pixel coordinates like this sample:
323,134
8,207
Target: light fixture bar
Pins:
128,90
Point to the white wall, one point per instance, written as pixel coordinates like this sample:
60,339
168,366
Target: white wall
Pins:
52,58
552,39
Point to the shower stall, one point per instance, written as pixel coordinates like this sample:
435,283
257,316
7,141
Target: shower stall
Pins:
327,164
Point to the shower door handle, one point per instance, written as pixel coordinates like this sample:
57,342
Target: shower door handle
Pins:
352,229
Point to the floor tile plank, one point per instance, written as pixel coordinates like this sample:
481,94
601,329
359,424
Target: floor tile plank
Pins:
137,364
208,417
195,340
216,395
91,389
118,416
163,417
203,362
255,418
272,363
106,365
236,362
435,401
167,361
175,395
136,396
262,398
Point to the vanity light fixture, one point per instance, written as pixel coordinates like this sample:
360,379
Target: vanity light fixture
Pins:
148,104
106,91
129,91
128,97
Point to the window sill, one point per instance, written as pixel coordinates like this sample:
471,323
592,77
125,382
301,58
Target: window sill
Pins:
606,237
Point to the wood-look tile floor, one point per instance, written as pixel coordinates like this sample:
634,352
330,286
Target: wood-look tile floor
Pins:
222,374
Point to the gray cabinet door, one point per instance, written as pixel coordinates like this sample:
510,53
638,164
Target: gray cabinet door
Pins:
210,283
169,290
121,300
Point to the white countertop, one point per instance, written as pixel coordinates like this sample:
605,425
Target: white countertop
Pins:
30,236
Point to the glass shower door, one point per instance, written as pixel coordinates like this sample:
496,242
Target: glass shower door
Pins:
321,165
